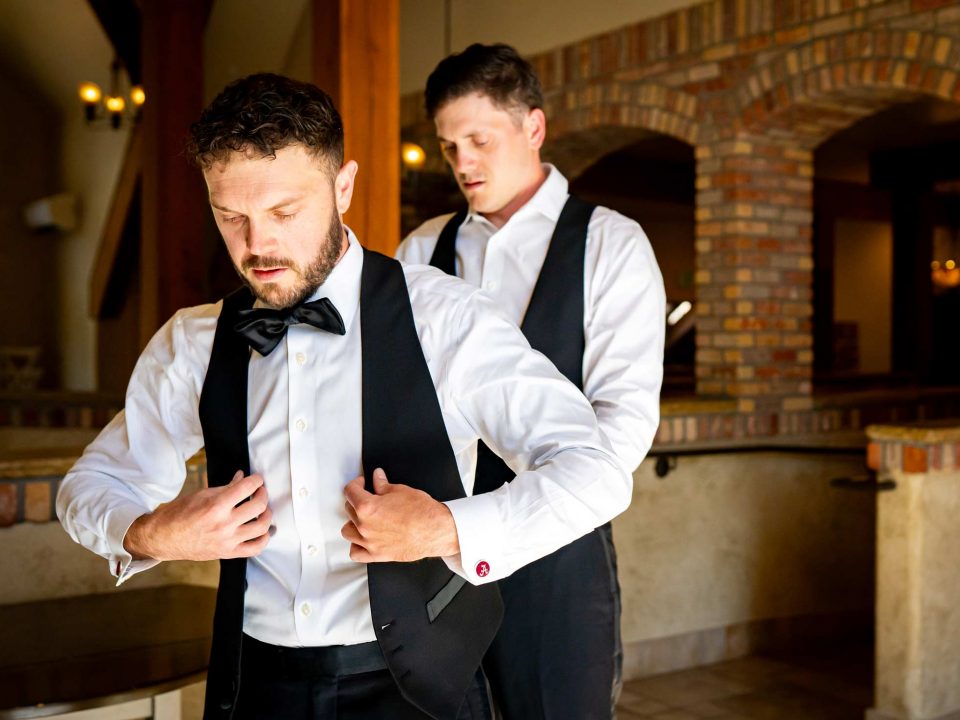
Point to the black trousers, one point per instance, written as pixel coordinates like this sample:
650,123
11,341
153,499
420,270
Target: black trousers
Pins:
324,684
557,655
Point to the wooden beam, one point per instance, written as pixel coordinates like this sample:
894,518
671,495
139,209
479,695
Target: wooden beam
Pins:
120,20
117,216
172,259
356,58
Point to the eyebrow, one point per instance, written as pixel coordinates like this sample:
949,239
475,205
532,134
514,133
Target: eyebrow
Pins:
279,205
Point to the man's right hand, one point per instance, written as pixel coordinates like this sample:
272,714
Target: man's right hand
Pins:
215,523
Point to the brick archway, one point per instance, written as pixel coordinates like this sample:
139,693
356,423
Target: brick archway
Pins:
755,198
811,91
588,123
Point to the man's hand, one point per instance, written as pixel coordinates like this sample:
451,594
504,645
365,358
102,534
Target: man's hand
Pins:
396,524
223,522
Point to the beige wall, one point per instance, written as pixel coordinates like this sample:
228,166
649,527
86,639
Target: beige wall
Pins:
54,45
863,283
531,26
29,144
90,166
730,538
40,562
249,36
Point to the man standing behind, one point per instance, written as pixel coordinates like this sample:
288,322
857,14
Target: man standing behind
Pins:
583,284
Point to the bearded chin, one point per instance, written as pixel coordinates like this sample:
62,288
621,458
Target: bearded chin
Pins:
309,277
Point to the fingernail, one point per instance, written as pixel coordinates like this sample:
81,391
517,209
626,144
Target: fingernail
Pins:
237,476
380,474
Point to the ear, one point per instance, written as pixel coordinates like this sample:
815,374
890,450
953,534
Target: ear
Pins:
535,127
343,185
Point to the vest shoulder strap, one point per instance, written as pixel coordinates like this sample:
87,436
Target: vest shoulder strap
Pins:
445,251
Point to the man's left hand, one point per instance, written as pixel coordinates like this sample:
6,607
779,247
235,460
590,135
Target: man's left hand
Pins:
396,523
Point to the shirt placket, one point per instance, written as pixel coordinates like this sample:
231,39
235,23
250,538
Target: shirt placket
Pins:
492,271
302,426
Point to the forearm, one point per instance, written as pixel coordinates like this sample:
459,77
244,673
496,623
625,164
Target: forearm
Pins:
105,493
540,511
97,514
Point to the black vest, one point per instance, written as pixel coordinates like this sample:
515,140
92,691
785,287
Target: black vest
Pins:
553,323
433,627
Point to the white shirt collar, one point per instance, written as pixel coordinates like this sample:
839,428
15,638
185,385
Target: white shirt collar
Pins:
342,285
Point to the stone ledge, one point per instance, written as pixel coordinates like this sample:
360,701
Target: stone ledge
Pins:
924,433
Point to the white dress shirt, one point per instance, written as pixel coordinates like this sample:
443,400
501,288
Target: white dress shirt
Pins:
304,425
624,301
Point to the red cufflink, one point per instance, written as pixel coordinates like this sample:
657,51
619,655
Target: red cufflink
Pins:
483,568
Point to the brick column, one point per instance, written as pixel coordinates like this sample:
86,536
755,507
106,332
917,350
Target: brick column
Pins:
754,270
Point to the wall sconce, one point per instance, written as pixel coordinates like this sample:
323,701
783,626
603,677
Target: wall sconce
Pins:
112,107
945,275
413,155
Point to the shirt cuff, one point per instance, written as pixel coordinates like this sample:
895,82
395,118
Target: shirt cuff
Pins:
482,558
122,565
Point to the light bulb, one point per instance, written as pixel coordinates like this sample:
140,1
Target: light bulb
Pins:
115,103
413,155
137,95
89,92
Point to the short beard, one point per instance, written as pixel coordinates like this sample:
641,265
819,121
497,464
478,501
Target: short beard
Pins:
312,275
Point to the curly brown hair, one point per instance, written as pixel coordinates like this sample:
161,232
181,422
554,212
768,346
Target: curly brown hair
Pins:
263,113
496,71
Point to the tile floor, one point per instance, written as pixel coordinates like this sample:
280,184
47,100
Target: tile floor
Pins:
834,684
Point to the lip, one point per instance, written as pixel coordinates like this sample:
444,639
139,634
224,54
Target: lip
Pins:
472,185
268,275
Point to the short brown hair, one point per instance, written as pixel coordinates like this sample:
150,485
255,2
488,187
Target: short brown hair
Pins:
496,71
264,113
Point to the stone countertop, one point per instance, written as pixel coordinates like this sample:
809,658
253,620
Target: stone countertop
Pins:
930,432
38,463
78,653
47,463
840,441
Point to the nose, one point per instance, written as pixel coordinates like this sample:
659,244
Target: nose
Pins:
464,162
260,240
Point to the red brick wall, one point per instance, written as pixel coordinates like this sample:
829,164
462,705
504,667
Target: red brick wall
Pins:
754,85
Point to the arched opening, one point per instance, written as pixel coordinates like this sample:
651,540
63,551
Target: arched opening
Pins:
887,245
651,180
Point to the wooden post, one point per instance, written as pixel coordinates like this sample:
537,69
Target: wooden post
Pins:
356,58
172,262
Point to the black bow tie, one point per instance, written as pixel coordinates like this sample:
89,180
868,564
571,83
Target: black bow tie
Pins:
264,328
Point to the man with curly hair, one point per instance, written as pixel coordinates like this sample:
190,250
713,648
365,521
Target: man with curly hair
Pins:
337,396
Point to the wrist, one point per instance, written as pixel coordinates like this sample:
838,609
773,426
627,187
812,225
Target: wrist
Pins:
449,541
136,541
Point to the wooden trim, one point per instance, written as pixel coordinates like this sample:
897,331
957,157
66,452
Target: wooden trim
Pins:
356,51
123,195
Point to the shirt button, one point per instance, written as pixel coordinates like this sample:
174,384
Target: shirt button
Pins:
305,609
490,285
311,549
304,492
301,358
301,425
